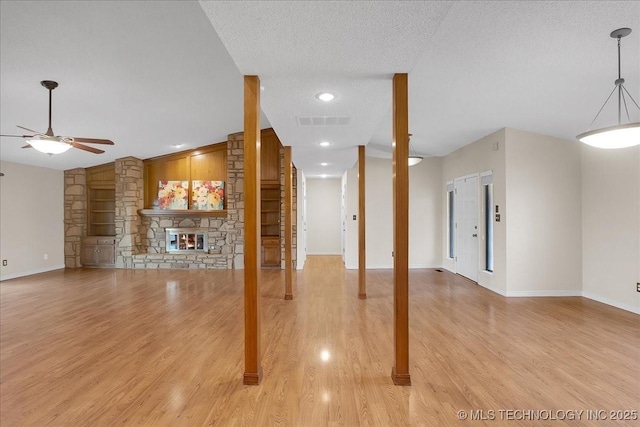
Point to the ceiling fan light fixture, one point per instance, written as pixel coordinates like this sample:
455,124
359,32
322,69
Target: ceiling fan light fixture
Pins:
48,145
620,135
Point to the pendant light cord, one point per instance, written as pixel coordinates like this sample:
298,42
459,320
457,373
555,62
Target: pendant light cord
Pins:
621,97
50,131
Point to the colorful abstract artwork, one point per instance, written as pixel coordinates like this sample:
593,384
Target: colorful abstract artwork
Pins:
207,195
173,194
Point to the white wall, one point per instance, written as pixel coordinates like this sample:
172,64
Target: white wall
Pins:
611,226
486,154
323,217
544,227
301,222
31,219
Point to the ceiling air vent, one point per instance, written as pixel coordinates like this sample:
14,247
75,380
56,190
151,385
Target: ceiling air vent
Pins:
323,121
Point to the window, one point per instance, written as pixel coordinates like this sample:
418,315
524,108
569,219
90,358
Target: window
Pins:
487,195
450,221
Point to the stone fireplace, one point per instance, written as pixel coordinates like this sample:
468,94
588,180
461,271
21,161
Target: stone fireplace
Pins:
141,234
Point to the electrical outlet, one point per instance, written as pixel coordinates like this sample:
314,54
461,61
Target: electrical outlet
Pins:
46,256
4,262
637,286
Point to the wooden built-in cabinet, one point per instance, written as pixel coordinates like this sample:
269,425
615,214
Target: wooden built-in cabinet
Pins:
269,157
270,210
98,248
102,212
270,198
204,163
98,251
271,252
101,200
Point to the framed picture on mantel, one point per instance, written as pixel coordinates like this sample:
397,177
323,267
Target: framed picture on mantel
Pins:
173,195
207,195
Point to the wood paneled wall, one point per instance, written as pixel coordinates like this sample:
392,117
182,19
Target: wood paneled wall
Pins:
204,163
101,176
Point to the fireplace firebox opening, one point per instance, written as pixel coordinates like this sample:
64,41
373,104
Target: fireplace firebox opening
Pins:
180,240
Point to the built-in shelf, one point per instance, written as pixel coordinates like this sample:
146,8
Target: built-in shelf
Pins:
184,212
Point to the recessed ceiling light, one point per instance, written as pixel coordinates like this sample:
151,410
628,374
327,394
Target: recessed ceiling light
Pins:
325,96
325,144
324,164
177,145
324,175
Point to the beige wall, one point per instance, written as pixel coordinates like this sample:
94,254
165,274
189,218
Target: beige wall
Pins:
544,227
425,221
350,177
611,226
425,247
486,154
323,217
379,211
31,219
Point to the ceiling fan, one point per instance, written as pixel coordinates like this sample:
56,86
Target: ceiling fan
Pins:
50,144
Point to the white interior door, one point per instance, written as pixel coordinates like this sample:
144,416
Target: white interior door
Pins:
466,231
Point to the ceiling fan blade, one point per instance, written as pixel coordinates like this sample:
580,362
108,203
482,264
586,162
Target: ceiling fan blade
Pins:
93,140
31,130
86,148
19,136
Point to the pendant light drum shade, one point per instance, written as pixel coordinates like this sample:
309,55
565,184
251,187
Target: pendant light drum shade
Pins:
620,135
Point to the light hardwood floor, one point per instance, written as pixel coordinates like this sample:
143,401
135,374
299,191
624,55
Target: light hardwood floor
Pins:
156,348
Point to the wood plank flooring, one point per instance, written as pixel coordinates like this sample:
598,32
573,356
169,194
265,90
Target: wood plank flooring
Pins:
93,347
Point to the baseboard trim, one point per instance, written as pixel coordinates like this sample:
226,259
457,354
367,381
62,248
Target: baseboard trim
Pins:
496,290
568,293
31,272
610,302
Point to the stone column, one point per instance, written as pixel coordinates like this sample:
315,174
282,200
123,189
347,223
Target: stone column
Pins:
235,201
75,215
129,198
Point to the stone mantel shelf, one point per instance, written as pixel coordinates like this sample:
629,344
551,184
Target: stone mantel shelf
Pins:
181,213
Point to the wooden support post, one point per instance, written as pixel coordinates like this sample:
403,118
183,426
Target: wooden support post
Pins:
362,248
288,225
400,371
252,350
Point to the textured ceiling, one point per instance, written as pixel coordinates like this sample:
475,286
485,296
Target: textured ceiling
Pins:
156,73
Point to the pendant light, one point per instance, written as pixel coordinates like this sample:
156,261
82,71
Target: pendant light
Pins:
414,159
623,134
